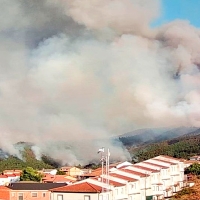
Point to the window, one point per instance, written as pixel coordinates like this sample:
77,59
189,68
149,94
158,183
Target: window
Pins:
60,197
153,177
131,198
20,196
122,190
157,188
34,194
43,194
142,193
133,186
116,191
163,183
86,197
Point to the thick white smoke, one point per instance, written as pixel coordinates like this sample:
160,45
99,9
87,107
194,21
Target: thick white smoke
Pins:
76,73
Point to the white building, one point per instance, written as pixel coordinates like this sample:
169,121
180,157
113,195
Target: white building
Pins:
155,178
4,180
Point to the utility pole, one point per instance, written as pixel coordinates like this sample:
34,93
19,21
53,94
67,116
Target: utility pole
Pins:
108,168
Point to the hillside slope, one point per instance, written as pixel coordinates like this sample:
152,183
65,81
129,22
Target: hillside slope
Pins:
192,193
180,147
148,136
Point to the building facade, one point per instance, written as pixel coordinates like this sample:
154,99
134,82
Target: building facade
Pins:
157,178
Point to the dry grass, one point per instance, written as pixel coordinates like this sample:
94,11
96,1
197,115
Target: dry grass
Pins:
192,193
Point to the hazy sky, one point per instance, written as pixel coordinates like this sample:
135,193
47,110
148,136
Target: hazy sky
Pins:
76,73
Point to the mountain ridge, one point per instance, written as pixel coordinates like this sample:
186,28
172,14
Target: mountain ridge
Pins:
141,136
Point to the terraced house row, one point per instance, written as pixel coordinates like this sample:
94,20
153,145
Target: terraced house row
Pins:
156,178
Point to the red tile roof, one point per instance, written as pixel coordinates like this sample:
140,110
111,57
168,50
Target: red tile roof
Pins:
10,175
56,178
3,176
12,170
17,174
135,172
122,167
191,161
15,171
164,161
146,168
156,165
4,193
111,182
126,178
4,188
79,188
116,184
60,178
96,172
169,157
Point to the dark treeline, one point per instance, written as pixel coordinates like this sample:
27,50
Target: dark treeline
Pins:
28,160
15,163
183,147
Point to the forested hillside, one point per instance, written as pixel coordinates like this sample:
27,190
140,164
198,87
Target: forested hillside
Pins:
182,147
28,160
15,163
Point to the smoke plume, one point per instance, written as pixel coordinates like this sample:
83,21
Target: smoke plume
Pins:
74,74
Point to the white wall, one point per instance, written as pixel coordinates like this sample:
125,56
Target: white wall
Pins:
80,196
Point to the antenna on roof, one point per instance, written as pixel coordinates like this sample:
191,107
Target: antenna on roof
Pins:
102,164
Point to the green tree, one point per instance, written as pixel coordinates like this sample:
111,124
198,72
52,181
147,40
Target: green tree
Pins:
60,173
11,163
193,169
29,174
